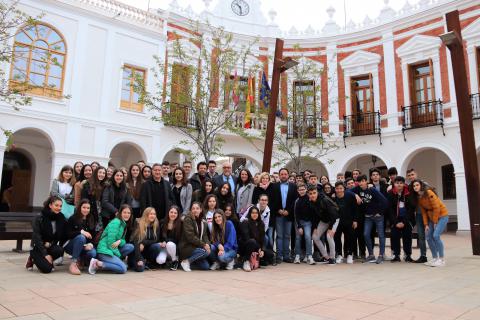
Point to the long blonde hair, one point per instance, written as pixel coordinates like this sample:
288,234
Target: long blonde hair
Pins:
142,224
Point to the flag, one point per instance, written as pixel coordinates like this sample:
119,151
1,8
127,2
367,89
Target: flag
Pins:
249,104
235,96
265,92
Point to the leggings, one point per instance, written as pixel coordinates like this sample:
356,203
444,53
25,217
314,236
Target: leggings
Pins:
55,251
170,251
319,231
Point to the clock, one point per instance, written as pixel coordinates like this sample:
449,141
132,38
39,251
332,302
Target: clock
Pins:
240,7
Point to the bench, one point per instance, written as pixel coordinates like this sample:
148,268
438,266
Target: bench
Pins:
16,226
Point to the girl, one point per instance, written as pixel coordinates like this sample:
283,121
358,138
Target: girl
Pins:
113,248
146,172
93,190
435,219
134,184
63,187
203,192
209,206
252,236
244,192
324,180
110,171
232,216
48,236
95,165
328,190
146,239
80,232
182,190
224,242
170,234
85,173
114,196
224,195
194,244
77,167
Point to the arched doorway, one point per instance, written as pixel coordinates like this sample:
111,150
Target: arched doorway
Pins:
27,170
126,153
308,163
365,162
177,156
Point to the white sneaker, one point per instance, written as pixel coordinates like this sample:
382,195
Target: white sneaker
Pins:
305,259
350,259
388,258
339,259
58,261
185,265
437,263
92,267
297,259
442,262
430,262
230,265
310,260
214,266
246,266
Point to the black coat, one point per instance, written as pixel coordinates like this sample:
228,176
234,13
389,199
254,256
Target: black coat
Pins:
324,210
43,230
146,196
196,182
258,191
276,204
393,205
251,230
218,181
75,226
108,200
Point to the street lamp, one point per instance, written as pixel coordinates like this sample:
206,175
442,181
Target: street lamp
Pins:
280,65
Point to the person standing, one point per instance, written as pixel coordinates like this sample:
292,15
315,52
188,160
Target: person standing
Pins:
182,191
114,196
303,225
212,167
226,176
348,213
244,191
198,179
422,243
156,193
134,185
187,167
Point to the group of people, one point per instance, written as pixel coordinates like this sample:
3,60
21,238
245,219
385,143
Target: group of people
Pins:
163,216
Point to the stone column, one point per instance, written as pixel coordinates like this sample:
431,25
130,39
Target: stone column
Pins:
390,80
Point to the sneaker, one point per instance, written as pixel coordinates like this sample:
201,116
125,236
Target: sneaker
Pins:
185,265
349,259
408,259
279,260
331,262
442,262
316,256
174,265
92,267
429,263
323,260
437,263
396,259
389,258
29,264
73,269
230,265
422,259
58,261
370,259
246,266
310,260
214,266
288,260
305,259
297,259
339,259
380,260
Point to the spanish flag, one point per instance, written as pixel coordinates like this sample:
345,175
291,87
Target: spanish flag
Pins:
249,104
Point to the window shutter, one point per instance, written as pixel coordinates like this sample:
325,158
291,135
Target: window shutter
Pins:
430,64
411,86
371,106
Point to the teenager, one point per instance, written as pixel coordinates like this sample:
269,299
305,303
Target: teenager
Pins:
402,217
435,220
112,248
303,225
141,164
328,190
377,182
115,195
224,242
48,236
324,180
348,214
146,240
146,173
355,174
203,192
325,220
224,195
81,233
244,191
187,169
422,243
194,247
94,165
340,177
134,184
157,193
210,205
93,190
110,171
231,216
182,190
77,168
170,235
62,187
198,179
392,174
212,167
85,174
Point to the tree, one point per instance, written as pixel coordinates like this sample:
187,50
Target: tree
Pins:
200,69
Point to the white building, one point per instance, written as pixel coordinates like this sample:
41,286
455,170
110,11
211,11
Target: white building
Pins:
372,72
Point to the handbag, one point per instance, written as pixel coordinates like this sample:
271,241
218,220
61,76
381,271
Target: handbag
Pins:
67,209
254,260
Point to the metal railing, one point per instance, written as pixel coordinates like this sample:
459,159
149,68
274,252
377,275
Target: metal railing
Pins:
179,115
310,127
361,124
258,122
475,101
425,114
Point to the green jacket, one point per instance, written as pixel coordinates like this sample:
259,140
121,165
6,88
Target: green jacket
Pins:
114,231
192,237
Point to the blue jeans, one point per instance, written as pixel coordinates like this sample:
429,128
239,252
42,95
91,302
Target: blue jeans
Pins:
227,257
307,233
284,229
149,253
421,233
199,259
379,224
433,237
75,248
114,263
269,238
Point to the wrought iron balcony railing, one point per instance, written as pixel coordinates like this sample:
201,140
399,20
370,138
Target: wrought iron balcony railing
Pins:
425,114
179,115
309,127
362,124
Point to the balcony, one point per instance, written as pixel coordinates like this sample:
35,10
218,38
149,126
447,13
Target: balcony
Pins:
475,100
310,127
425,114
362,124
257,122
179,115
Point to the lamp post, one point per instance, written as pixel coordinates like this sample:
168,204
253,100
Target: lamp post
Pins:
453,40
279,65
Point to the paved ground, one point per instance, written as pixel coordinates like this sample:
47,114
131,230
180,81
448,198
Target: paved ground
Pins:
388,291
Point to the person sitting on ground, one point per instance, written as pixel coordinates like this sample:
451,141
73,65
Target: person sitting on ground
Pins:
146,240
224,242
170,234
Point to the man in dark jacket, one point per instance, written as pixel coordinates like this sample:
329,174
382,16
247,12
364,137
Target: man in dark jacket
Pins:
348,212
402,217
156,192
199,178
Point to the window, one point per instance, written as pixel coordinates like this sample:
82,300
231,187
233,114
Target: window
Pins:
38,63
132,78
421,83
181,91
242,93
304,98
448,182
362,94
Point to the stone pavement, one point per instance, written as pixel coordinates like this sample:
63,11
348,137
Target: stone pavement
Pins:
388,291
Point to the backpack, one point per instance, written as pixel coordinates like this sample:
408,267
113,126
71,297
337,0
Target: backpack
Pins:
331,206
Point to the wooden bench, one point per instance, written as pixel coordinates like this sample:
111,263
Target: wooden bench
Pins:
16,226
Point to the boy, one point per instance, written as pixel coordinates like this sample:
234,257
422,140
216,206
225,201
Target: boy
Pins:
347,205
303,225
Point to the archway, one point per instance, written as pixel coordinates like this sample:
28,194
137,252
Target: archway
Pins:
309,163
27,170
239,162
177,156
365,162
126,153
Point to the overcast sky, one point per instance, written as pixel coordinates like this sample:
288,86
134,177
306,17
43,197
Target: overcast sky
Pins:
298,13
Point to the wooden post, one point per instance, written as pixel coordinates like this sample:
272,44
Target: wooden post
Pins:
275,88
466,127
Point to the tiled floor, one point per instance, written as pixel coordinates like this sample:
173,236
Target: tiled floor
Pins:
388,291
